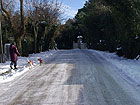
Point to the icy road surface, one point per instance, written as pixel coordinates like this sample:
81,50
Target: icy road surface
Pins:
70,77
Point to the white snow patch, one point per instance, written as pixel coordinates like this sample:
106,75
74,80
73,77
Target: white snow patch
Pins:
128,69
22,65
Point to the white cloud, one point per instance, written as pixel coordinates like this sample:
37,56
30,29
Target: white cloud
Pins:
68,11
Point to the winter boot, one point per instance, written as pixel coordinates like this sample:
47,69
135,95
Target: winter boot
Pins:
11,67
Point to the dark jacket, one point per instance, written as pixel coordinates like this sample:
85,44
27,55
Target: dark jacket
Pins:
14,53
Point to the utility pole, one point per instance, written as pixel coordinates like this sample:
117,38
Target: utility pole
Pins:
2,60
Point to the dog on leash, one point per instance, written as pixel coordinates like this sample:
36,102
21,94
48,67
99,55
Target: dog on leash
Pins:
30,63
40,61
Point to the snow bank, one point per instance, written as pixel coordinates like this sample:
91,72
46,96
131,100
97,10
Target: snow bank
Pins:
128,69
22,65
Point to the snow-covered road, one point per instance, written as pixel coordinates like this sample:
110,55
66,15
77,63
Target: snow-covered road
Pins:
70,77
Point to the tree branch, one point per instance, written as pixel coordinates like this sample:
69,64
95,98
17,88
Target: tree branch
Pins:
5,11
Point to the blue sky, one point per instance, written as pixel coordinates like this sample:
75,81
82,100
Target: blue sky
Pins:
72,7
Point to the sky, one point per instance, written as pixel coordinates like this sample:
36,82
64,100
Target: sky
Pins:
71,7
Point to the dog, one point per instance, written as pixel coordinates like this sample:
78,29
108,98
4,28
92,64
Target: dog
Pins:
30,63
40,61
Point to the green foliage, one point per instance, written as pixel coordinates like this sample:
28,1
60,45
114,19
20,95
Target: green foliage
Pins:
69,33
109,25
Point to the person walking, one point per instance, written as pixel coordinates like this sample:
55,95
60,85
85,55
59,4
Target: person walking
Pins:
14,53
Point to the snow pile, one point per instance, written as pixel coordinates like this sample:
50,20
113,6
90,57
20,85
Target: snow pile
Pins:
127,68
22,65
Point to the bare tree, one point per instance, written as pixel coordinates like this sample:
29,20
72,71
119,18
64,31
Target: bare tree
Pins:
42,11
37,11
18,34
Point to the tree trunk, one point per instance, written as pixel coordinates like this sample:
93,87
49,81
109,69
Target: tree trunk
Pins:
7,17
19,36
19,45
35,37
2,60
